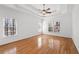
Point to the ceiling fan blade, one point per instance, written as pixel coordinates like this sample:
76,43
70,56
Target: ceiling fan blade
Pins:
48,9
48,12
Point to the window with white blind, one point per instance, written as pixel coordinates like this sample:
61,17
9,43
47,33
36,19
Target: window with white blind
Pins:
9,27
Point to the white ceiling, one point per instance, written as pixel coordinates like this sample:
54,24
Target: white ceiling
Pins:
34,8
52,6
60,8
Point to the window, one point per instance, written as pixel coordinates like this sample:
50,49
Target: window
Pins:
9,27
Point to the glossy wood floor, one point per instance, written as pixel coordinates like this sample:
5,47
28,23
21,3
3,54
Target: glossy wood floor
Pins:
41,44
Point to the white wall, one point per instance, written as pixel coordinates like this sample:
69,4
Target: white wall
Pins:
75,24
27,24
65,23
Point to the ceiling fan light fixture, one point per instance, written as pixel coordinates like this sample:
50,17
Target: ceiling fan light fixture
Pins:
45,11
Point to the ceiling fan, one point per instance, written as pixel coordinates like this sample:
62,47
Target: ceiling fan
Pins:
46,11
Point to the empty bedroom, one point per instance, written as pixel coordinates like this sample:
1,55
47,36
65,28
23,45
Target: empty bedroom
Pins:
39,29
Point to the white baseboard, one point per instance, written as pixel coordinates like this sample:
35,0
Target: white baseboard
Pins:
76,45
17,37
14,38
58,35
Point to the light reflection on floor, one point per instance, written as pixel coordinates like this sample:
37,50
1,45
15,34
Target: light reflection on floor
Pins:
50,43
9,51
39,42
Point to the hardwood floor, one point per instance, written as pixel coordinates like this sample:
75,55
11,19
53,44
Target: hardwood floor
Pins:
41,44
